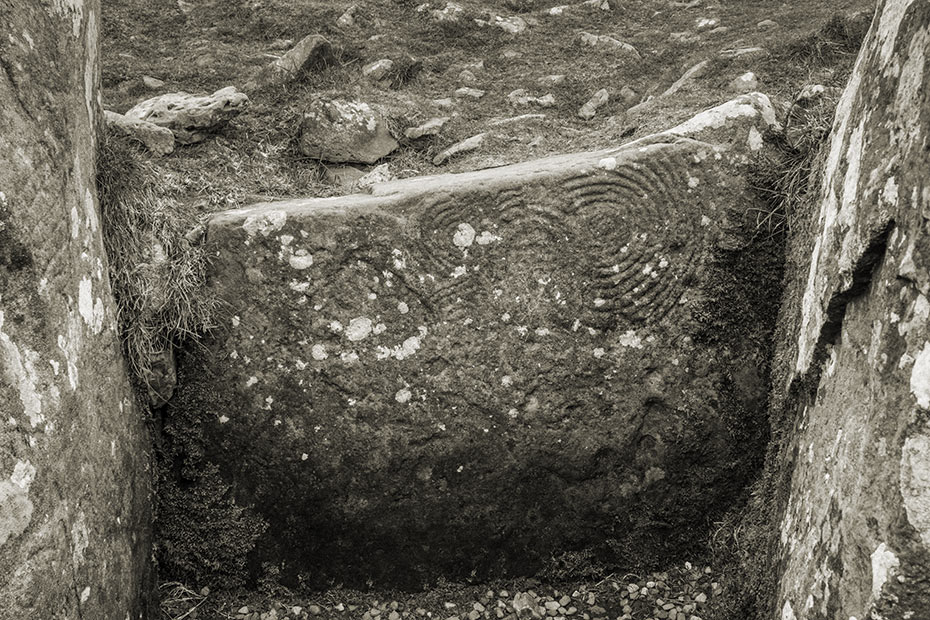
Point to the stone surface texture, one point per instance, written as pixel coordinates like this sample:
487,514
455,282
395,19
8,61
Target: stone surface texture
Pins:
472,372
192,118
345,132
158,140
855,360
74,479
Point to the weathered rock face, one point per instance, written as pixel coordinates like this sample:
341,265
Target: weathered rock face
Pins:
191,118
345,131
158,140
74,482
478,371
855,533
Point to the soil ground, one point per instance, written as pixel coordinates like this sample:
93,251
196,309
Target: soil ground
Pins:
199,46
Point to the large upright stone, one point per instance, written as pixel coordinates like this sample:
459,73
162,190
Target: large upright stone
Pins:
74,472
854,465
475,372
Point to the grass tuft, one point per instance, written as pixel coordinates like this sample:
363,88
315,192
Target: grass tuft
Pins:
785,176
156,273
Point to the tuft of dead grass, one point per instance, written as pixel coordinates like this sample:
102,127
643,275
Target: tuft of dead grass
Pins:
785,176
179,601
157,274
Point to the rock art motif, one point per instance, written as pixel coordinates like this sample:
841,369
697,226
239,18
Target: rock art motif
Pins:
74,475
475,371
854,532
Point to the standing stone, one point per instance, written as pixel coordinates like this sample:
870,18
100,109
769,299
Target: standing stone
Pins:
853,535
74,467
494,365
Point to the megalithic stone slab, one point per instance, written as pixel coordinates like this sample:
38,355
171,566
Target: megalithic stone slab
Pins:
74,469
852,469
475,372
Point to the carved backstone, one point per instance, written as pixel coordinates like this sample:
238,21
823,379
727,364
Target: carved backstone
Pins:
853,469
477,371
74,471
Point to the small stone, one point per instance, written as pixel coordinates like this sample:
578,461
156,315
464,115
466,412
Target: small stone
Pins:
469,144
431,127
513,25
767,24
707,23
474,615
243,611
313,51
347,19
479,607
452,12
314,610
152,83
378,70
467,77
449,605
694,72
745,83
551,80
394,615
701,598
589,109
471,93
604,41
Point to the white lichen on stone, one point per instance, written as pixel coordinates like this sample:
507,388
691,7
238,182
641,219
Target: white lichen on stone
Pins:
607,163
359,328
920,377
459,271
265,223
915,483
402,307
630,339
300,259
318,352
486,237
884,563
464,236
403,395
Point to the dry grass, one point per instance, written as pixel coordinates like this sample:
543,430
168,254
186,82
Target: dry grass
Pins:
156,273
179,602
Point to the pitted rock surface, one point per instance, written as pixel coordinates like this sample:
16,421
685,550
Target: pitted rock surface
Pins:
475,371
192,118
854,535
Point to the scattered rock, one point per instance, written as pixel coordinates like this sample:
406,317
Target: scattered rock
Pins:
496,122
158,140
513,25
467,92
152,83
694,72
551,80
684,38
443,104
347,19
767,24
520,97
452,12
603,5
742,51
467,77
589,109
745,83
342,176
431,127
345,131
469,144
281,44
706,23
378,174
628,96
378,70
313,51
191,118
593,40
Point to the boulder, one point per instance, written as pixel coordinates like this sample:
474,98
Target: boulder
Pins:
75,472
158,140
341,131
850,473
474,372
313,51
191,118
